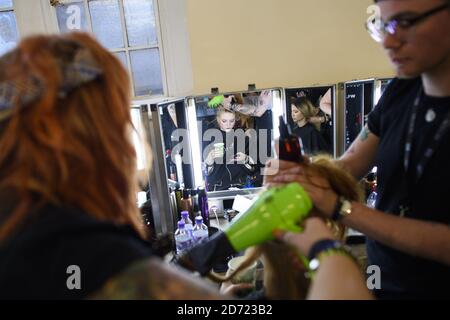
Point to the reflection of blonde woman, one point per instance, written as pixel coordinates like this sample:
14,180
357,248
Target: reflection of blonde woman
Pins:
227,166
302,110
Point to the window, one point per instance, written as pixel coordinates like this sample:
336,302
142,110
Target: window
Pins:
128,28
8,27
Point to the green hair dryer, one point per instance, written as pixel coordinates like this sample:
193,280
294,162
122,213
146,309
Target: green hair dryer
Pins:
216,101
277,208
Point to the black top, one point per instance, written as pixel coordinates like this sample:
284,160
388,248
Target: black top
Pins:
312,140
230,173
403,275
326,130
34,262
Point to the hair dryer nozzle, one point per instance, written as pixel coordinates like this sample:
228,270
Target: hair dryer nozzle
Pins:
205,255
277,208
216,101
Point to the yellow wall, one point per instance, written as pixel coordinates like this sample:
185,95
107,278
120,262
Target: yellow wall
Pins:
281,43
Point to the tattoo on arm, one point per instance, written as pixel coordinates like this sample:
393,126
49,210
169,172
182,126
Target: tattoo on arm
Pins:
364,133
153,279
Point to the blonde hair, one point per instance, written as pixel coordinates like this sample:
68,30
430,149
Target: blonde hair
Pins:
74,150
221,111
306,107
283,280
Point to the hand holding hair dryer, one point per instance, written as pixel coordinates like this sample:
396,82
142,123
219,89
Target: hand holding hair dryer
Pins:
281,208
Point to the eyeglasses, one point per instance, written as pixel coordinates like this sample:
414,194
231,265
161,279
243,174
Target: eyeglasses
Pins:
378,29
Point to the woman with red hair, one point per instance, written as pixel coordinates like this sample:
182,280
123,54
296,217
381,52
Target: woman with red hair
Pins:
68,214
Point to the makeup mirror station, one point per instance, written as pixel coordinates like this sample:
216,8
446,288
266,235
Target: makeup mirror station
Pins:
231,140
209,151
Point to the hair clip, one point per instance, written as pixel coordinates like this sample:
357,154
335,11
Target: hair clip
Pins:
76,65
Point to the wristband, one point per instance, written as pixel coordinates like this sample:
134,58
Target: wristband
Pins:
324,248
323,245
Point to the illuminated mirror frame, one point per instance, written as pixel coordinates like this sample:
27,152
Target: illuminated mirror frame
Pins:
334,99
196,149
380,85
375,96
183,123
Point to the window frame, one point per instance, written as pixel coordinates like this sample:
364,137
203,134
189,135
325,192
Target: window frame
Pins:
127,49
6,9
13,10
39,17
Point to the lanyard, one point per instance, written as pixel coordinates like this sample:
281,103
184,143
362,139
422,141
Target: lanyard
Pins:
431,148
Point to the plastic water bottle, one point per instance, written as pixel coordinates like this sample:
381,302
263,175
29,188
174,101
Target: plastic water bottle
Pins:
183,240
200,231
187,222
372,198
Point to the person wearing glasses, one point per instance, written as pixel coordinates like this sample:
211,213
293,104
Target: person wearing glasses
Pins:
408,138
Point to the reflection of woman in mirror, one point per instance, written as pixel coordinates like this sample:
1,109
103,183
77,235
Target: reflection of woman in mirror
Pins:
169,125
227,166
302,110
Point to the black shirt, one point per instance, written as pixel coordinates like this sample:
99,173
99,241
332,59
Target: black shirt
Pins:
229,172
34,262
403,275
312,140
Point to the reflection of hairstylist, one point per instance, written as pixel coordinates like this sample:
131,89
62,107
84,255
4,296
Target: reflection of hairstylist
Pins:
324,117
302,109
226,165
253,105
324,112
326,103
169,126
173,113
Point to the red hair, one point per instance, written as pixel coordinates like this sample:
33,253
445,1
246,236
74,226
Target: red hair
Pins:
74,151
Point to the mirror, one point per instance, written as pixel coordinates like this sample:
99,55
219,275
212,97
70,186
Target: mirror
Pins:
310,113
232,136
173,129
359,101
380,86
